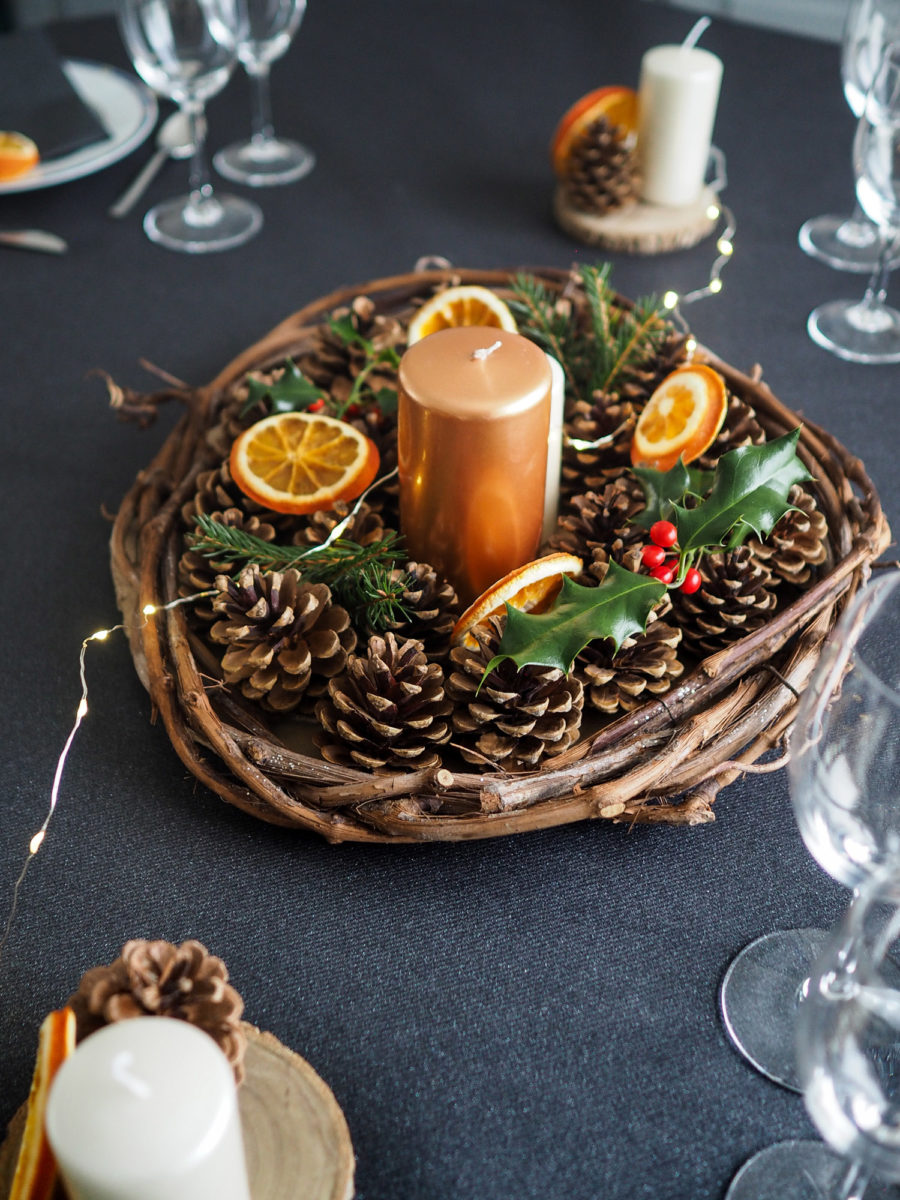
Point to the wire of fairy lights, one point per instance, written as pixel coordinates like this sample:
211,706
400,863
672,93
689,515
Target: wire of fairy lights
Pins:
81,712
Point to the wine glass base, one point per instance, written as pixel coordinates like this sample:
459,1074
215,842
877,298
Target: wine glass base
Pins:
800,1170
232,221
855,333
264,162
760,998
843,243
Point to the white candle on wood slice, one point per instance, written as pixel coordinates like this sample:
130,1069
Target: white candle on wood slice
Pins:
146,1109
554,447
678,94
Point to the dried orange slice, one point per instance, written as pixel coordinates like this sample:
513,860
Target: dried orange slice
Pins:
18,154
469,304
618,104
35,1176
681,419
530,588
302,462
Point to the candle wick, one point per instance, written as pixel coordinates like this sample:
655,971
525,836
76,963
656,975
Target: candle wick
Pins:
697,31
120,1069
482,354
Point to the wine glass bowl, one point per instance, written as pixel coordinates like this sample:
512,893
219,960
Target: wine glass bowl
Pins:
851,243
187,50
868,330
844,775
265,160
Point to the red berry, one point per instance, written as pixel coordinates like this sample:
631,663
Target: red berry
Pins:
316,406
653,556
665,572
353,410
692,580
663,533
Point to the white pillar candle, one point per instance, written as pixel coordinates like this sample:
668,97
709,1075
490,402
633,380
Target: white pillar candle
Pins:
146,1109
678,94
554,447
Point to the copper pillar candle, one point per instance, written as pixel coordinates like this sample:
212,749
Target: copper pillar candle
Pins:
473,427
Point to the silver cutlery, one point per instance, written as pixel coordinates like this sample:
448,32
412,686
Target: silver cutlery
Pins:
173,140
33,239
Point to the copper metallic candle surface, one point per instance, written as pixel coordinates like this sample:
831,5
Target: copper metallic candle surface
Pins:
473,425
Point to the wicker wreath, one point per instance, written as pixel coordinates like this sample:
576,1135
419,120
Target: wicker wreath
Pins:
663,762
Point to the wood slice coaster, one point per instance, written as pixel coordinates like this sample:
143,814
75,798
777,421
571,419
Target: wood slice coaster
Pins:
295,1136
640,228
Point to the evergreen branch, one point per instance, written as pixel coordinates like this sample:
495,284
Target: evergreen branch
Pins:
360,577
639,342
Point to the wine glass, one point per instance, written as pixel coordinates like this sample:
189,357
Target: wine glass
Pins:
187,50
265,159
848,1053
868,330
844,781
851,243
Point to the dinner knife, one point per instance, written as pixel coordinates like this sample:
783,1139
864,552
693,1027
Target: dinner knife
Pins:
33,239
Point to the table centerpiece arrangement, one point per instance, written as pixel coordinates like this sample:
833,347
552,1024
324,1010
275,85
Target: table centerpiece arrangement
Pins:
467,645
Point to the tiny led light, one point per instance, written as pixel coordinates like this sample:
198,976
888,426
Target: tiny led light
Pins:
715,285
713,212
724,246
670,299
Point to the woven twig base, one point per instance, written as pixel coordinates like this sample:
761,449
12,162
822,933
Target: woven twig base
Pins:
663,762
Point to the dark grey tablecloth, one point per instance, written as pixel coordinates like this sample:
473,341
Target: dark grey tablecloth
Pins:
526,1017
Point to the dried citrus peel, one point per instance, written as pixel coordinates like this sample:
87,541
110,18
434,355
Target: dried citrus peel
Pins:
681,419
35,1175
618,104
468,304
18,155
529,588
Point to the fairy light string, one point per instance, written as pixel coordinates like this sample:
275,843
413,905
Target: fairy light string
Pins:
37,839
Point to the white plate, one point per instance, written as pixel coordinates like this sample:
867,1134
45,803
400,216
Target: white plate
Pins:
124,106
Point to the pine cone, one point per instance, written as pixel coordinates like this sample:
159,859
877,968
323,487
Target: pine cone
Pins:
645,664
216,492
602,520
432,606
158,979
797,544
516,718
366,527
740,428
589,470
285,638
334,364
387,712
736,598
601,174
197,573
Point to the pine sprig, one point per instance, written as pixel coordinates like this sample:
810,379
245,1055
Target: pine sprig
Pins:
597,350
360,577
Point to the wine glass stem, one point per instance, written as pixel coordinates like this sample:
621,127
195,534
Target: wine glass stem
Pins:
201,188
876,292
262,128
854,1182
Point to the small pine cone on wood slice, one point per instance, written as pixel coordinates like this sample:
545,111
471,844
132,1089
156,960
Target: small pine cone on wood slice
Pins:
798,543
198,573
432,607
601,173
159,979
387,712
285,638
736,598
740,428
366,527
645,665
518,717
601,519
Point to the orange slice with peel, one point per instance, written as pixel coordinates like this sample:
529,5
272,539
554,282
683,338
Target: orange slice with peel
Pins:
35,1175
681,419
618,104
302,462
530,588
18,154
469,304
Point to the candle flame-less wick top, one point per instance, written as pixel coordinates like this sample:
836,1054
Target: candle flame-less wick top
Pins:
696,33
482,353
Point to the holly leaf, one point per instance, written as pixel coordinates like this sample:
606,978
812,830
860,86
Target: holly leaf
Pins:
749,494
347,331
616,609
663,490
292,392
